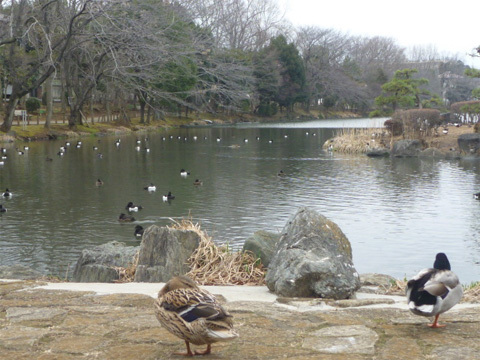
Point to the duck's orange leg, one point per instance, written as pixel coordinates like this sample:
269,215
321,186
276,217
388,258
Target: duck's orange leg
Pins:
188,353
206,352
435,323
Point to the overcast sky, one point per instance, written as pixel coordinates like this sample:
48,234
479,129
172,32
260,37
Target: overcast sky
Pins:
451,27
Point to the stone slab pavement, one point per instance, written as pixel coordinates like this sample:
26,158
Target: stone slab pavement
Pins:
40,320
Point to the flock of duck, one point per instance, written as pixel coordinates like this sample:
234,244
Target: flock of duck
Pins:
130,207
195,316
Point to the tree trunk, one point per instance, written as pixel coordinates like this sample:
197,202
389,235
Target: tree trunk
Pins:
9,112
49,99
142,112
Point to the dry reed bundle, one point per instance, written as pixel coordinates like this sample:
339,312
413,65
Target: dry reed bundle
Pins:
217,265
397,288
127,274
357,141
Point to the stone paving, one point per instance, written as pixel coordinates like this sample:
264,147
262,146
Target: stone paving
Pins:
44,323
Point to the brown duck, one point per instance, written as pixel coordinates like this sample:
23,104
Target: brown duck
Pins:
193,314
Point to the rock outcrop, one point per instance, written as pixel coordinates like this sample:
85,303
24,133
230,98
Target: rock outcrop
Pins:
262,244
406,148
313,259
469,143
164,253
98,264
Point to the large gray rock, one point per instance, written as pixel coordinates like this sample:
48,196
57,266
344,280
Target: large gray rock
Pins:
469,143
262,244
313,259
98,264
164,253
406,148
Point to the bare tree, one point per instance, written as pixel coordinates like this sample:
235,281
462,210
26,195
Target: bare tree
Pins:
238,24
31,52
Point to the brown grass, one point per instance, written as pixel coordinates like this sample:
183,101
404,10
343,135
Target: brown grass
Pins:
127,274
359,141
218,265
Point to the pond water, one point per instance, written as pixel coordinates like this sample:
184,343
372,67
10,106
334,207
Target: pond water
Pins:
397,213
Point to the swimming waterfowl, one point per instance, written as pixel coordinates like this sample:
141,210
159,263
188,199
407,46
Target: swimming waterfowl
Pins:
281,173
133,208
193,314
197,182
184,173
7,193
150,188
435,290
99,182
138,231
477,196
168,197
125,218
2,209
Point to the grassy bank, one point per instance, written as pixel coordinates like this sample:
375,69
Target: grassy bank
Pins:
59,127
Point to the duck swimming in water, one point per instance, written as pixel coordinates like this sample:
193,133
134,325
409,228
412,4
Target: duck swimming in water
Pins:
125,218
168,197
150,188
193,314
435,290
138,231
133,208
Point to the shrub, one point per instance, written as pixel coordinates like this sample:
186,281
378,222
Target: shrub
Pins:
418,122
32,104
394,126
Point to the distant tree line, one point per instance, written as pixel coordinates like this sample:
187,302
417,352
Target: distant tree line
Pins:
219,56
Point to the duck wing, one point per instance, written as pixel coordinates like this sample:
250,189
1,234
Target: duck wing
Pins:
193,304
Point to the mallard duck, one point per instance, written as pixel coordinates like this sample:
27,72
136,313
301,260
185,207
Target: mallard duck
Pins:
193,314
125,218
434,291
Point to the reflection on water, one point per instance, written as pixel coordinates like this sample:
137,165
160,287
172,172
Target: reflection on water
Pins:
397,213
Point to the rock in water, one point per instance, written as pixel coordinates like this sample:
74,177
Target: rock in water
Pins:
313,259
164,253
